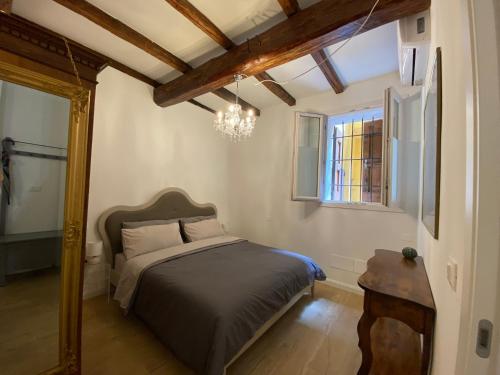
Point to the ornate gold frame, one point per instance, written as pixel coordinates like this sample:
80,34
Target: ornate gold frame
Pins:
74,209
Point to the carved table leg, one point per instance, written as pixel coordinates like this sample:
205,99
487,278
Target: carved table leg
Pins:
364,328
427,345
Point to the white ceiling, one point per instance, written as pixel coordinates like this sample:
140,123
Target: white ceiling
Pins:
368,55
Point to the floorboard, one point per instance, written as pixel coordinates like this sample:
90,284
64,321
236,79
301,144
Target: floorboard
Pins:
315,337
29,323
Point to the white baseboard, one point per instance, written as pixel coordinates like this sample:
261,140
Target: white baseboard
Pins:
345,286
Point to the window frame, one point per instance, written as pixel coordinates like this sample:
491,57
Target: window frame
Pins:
371,206
321,147
390,96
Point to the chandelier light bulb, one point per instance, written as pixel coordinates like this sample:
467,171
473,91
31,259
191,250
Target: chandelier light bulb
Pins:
235,123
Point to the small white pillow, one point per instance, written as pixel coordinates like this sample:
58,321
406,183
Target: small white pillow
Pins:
203,229
143,240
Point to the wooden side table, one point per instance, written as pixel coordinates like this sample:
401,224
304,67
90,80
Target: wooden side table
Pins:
396,288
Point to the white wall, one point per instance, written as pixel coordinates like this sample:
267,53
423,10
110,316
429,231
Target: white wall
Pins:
450,30
260,183
37,185
139,148
481,299
497,320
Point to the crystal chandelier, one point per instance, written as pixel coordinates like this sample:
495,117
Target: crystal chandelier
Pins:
235,123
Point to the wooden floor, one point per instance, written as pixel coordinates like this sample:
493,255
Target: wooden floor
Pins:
29,323
315,337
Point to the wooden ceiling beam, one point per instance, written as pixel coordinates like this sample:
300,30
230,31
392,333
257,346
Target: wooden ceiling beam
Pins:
202,106
322,59
123,31
275,88
6,6
132,72
318,26
144,78
27,39
290,7
128,34
208,27
189,11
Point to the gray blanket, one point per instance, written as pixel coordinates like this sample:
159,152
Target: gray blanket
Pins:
205,306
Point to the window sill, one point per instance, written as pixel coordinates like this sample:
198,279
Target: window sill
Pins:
362,206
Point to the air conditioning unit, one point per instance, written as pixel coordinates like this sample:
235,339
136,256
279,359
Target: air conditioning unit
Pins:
414,38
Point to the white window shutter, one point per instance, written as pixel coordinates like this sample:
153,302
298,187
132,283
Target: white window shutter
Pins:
392,144
308,165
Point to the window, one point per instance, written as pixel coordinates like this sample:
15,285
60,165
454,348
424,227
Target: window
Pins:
359,157
354,157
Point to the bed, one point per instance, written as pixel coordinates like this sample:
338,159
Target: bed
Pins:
206,300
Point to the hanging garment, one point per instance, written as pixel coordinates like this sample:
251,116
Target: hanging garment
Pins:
6,145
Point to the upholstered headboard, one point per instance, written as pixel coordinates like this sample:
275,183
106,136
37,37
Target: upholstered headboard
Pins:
170,203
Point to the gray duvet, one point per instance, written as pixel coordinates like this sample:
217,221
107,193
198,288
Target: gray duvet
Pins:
206,305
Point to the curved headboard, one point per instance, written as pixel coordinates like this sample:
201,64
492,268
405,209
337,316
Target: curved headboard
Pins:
171,203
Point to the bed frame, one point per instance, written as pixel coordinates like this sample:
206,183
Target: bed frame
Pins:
306,291
168,204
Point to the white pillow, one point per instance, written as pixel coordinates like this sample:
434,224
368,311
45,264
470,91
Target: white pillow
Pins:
203,229
137,241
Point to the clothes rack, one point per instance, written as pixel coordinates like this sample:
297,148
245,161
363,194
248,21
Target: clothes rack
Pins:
37,144
7,144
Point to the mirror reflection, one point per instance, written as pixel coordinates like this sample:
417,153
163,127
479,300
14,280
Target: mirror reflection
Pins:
34,136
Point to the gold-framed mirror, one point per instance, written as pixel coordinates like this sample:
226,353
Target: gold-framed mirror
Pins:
74,211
